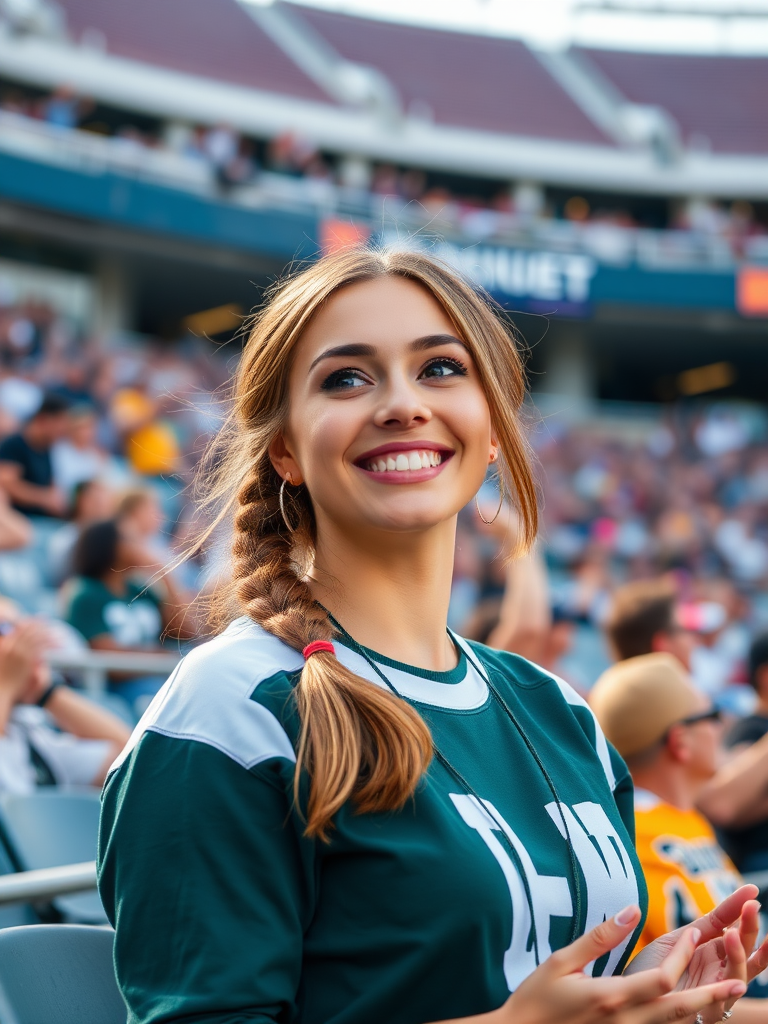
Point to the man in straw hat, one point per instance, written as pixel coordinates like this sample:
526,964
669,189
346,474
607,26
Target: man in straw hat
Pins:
669,735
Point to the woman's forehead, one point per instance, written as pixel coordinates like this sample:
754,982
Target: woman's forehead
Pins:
385,311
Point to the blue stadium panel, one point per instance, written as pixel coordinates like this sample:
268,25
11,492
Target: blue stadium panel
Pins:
155,209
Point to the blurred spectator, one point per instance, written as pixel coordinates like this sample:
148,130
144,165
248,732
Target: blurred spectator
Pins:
223,148
140,519
747,843
62,108
48,733
113,612
78,456
15,528
19,396
151,445
669,735
642,619
34,491
92,502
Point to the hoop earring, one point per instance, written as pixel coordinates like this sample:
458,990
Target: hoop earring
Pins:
281,499
490,522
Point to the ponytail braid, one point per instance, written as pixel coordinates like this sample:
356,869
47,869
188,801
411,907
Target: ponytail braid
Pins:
356,740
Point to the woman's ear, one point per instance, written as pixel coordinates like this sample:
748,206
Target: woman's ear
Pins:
285,464
493,452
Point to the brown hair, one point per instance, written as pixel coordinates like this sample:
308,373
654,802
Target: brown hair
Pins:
356,740
639,610
133,499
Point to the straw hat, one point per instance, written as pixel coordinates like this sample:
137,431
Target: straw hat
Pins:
637,700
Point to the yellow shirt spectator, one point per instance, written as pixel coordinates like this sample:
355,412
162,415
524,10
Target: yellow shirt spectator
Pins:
686,871
151,446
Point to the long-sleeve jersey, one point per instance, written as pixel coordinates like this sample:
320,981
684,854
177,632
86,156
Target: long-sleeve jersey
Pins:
226,912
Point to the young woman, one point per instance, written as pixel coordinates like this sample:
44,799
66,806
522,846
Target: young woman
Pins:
338,812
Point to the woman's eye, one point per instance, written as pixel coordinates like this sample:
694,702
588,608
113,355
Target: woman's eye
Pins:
342,380
444,368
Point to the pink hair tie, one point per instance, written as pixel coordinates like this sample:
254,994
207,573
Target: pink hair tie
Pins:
316,646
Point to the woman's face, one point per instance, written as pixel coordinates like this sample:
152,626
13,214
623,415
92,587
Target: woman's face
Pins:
388,425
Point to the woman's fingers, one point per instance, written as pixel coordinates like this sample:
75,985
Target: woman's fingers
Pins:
749,925
726,913
682,1005
594,944
758,962
735,955
634,989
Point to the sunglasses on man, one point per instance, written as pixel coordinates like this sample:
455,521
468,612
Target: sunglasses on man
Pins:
712,715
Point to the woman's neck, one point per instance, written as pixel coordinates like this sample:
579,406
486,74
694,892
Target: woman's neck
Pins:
115,582
391,593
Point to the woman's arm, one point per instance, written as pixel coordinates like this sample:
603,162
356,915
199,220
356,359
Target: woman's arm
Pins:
205,874
736,796
525,618
80,717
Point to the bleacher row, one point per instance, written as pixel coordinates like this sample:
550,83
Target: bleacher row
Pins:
717,101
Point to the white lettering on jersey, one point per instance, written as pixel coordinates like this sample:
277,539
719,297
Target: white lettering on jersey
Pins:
550,894
608,872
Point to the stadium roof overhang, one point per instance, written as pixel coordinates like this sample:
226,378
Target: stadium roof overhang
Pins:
175,95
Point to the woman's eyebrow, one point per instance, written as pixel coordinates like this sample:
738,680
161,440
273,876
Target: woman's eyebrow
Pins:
435,341
359,349
353,349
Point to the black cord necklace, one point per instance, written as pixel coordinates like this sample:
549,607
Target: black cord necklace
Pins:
468,788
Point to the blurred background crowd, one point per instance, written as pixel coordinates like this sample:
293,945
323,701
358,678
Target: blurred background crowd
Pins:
606,183
92,432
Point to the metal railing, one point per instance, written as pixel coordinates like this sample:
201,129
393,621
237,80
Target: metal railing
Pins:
46,883
93,666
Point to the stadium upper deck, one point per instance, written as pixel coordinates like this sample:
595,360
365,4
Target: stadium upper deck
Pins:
467,103
495,135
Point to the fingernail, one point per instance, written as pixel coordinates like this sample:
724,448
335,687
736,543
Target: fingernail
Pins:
695,935
625,916
738,989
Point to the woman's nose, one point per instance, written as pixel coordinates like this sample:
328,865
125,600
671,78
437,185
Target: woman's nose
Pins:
402,403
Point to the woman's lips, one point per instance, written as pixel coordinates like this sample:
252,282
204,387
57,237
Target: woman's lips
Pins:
410,465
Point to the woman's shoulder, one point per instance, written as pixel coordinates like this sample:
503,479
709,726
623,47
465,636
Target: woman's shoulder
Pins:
514,673
231,693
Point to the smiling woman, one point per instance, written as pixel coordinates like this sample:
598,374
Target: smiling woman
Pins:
337,811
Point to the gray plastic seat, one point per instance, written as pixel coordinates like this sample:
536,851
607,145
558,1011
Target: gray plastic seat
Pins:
58,974
15,913
50,828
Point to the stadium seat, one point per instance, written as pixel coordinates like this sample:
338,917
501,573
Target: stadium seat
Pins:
16,913
58,974
50,828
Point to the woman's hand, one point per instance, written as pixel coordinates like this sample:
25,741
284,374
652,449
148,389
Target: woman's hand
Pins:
728,936
558,992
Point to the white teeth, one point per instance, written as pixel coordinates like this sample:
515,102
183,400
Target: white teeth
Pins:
405,461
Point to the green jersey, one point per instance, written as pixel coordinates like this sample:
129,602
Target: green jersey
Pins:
225,912
133,619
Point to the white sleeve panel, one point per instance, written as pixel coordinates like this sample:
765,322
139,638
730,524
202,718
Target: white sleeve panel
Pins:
208,697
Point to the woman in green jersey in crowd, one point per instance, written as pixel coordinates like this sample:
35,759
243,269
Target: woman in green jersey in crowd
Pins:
337,811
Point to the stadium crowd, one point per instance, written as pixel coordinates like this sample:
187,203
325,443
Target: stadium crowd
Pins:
654,555
475,210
